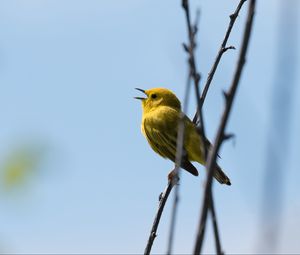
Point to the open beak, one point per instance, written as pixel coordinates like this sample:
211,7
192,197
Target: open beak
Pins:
141,98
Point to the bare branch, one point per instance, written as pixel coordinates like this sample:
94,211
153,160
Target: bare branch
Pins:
196,77
173,221
215,226
172,182
162,201
228,48
222,50
212,156
194,74
176,172
190,49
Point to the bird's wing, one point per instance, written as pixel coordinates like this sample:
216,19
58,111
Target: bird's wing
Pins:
163,140
160,142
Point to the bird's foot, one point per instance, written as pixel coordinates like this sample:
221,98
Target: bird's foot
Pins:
173,177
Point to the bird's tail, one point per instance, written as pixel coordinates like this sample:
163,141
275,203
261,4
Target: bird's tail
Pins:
221,176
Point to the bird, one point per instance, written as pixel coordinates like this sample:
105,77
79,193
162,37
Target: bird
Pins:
160,120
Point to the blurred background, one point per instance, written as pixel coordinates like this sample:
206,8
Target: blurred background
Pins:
76,174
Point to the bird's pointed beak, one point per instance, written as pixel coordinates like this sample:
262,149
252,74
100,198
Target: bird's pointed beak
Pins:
141,98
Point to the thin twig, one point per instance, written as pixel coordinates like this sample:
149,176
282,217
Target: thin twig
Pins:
173,221
176,172
215,226
174,180
222,50
212,156
196,78
162,201
193,74
190,49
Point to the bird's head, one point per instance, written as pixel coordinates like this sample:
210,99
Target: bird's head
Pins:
158,97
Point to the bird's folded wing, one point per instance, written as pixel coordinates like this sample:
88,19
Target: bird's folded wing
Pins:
165,145
162,143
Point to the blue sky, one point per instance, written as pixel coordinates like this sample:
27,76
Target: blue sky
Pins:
68,70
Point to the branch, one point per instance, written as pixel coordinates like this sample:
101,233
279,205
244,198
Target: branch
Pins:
190,49
173,221
222,50
196,78
162,201
176,172
210,167
215,226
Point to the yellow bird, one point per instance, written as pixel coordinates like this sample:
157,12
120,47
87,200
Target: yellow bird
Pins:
161,114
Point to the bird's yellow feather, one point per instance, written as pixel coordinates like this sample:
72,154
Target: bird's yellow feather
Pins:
161,115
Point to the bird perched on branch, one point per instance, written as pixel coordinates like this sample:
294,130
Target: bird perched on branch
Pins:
161,115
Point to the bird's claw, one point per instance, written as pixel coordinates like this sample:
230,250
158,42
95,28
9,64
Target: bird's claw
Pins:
173,177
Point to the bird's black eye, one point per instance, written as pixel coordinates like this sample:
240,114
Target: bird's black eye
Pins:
153,96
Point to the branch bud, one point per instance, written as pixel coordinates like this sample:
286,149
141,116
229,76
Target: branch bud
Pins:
225,94
228,136
185,47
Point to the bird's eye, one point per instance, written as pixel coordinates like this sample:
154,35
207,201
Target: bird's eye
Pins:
153,96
